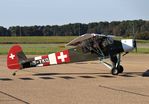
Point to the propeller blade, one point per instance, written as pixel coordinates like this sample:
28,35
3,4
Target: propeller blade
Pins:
134,38
125,53
135,44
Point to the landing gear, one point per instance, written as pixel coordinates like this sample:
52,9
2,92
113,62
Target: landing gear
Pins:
14,73
120,69
117,68
116,71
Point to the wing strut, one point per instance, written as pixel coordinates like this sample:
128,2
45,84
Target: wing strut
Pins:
115,66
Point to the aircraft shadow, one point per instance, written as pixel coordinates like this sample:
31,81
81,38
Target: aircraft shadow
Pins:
69,76
26,78
93,75
53,74
130,74
46,78
6,79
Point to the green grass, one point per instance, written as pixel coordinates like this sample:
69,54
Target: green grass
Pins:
35,44
46,39
36,39
143,41
37,49
142,50
34,48
45,45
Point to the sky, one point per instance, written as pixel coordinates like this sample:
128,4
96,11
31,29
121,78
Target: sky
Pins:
60,12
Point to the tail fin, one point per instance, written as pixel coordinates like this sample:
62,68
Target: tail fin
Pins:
15,57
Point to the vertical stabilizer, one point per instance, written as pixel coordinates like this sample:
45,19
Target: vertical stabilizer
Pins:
15,57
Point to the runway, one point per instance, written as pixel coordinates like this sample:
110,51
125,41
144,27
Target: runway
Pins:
77,83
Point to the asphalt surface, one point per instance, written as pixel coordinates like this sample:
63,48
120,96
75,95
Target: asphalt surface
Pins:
77,83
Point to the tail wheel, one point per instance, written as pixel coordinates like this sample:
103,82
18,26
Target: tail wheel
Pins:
114,71
120,69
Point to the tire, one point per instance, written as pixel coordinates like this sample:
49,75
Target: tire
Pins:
115,71
14,74
120,69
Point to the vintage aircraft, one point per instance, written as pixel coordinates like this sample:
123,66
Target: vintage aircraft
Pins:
86,47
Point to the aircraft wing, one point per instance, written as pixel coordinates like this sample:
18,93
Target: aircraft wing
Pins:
81,38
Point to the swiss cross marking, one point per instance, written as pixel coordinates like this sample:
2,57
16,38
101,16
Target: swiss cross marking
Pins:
62,57
12,56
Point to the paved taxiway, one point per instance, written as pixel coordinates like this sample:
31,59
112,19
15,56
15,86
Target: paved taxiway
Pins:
78,83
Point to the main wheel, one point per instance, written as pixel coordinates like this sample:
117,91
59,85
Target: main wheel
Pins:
114,71
120,69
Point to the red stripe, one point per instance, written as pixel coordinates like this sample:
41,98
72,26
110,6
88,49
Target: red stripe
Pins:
46,61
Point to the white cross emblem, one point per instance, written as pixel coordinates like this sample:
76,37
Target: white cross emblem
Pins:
62,57
12,56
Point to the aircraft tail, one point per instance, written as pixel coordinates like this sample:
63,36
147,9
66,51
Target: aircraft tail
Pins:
15,58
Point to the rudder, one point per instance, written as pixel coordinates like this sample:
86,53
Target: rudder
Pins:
15,57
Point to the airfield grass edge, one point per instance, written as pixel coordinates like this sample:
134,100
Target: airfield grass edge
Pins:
39,45
31,49
41,49
35,39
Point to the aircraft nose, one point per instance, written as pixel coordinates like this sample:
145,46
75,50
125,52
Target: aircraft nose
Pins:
128,44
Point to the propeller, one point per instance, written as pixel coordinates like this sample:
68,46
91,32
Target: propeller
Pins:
135,44
134,39
125,53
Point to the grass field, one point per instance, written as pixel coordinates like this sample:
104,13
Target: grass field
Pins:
45,45
35,44
50,48
34,48
36,39
44,39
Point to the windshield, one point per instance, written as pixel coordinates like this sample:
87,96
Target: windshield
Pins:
96,44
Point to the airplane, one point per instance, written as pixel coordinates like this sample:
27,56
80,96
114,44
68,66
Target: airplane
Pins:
86,47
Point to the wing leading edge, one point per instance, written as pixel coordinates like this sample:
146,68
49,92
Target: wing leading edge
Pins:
81,38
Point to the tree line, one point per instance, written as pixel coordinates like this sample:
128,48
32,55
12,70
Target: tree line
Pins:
119,28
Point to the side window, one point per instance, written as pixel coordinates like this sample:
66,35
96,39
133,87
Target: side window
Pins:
107,41
84,46
110,40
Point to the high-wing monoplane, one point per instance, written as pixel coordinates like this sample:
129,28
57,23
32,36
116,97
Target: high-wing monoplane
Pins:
86,47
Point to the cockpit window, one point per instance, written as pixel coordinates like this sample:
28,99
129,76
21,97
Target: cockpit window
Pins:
95,44
107,41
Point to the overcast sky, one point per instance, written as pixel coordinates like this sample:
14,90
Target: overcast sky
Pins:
59,12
